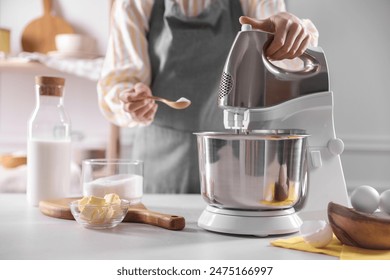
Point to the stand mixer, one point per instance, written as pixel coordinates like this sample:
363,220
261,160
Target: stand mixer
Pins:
282,156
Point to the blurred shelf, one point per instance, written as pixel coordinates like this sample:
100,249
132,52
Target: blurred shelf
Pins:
83,69
21,65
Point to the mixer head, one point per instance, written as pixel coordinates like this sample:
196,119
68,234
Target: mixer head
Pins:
251,81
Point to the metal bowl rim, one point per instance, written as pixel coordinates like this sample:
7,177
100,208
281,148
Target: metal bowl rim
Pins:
272,134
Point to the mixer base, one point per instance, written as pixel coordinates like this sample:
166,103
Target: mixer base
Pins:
258,223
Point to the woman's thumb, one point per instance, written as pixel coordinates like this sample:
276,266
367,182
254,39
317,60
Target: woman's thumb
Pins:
262,24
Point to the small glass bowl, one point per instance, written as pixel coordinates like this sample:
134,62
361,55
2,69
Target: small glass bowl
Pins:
100,217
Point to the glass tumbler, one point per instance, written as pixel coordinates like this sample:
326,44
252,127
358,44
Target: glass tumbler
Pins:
122,177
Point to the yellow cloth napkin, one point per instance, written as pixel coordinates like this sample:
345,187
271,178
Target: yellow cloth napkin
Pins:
334,248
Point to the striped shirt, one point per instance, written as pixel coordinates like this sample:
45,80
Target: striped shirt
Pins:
127,61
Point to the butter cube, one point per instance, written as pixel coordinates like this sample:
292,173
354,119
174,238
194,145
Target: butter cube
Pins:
98,201
83,202
112,198
94,214
115,211
88,213
100,215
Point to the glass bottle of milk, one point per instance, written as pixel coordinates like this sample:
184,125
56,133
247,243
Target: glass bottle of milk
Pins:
49,143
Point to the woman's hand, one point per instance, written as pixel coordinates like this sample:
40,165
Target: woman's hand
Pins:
141,109
291,37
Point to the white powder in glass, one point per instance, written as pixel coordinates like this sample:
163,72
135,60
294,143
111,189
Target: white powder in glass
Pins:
128,187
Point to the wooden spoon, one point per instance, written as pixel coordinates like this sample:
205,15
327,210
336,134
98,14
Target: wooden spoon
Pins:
359,229
179,104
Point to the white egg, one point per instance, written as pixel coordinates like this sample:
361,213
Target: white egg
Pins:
317,233
384,202
365,199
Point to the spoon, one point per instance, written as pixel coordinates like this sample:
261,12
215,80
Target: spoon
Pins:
179,104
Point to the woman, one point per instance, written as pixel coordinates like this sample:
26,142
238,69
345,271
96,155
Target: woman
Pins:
176,49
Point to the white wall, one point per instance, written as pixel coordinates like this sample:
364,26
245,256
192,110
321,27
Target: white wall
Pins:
355,37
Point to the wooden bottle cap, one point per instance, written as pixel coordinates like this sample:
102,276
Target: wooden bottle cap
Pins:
50,86
49,81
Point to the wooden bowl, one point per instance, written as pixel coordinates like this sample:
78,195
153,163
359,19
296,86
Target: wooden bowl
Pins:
358,229
12,161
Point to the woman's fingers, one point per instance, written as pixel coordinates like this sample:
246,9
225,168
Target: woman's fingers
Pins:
290,39
140,108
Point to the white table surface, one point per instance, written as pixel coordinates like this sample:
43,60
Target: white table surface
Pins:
25,233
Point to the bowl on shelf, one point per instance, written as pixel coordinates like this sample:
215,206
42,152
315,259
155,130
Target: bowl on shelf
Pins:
75,43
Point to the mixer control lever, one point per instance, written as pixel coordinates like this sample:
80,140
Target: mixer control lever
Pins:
336,146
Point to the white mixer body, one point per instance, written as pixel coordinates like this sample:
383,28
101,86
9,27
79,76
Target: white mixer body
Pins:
314,114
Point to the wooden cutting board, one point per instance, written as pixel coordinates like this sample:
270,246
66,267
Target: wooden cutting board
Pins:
137,213
39,34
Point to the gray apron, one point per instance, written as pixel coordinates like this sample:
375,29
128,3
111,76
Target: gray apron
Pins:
187,55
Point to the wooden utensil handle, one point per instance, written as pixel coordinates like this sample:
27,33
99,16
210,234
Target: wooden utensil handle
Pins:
47,4
166,221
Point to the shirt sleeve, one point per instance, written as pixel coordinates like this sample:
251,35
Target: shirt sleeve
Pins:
127,61
261,9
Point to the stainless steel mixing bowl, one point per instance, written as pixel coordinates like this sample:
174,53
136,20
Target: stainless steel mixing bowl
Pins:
257,171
